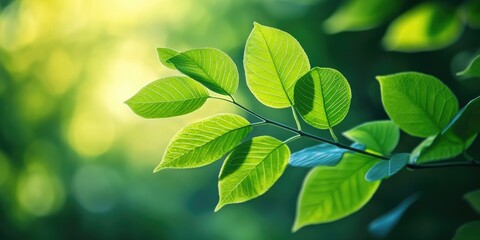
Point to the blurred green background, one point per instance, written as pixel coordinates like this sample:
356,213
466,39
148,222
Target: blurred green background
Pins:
76,163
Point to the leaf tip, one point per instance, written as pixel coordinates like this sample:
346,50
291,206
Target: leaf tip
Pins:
296,226
158,168
218,207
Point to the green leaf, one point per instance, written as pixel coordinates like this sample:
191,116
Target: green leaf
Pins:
322,97
457,136
274,61
251,169
385,169
204,142
473,69
420,104
357,15
379,136
468,231
470,10
164,54
473,198
323,154
426,27
440,147
168,97
210,67
331,193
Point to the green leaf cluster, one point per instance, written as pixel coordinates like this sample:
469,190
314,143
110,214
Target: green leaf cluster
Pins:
343,177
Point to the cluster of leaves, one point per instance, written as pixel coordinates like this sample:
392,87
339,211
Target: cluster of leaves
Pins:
343,178
426,26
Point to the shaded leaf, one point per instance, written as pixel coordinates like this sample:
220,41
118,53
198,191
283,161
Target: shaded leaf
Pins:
251,169
379,136
471,13
420,104
468,231
204,142
274,61
357,15
381,226
322,97
210,67
385,169
164,54
331,193
473,198
466,122
473,69
323,154
426,27
168,97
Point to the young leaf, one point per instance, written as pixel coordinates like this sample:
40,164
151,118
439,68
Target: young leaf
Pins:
379,136
468,231
381,226
323,154
274,61
385,169
419,104
357,15
210,67
331,193
168,97
251,169
426,27
322,97
473,69
204,142
473,198
164,54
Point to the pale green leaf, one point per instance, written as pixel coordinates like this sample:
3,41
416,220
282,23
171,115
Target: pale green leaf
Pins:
274,61
426,27
357,15
331,193
473,198
251,169
420,104
473,69
468,231
385,169
168,97
379,136
322,97
204,142
210,67
164,54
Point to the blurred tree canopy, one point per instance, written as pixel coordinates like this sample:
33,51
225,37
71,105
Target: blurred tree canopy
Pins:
76,164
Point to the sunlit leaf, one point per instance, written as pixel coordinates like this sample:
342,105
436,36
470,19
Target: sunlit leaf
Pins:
331,193
274,61
251,169
385,169
357,15
323,154
322,97
426,27
164,54
473,198
210,67
468,231
168,97
379,136
419,104
204,142
381,226
457,136
473,69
